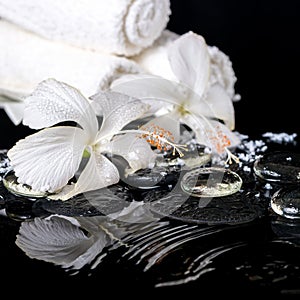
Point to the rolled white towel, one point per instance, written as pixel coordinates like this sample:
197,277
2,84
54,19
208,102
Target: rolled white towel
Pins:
26,59
154,60
123,27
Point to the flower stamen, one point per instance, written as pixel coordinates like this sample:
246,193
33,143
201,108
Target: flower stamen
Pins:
161,139
230,157
221,142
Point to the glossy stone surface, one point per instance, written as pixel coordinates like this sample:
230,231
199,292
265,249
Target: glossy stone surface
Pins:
211,182
94,203
280,166
150,178
11,184
195,155
228,243
238,208
286,202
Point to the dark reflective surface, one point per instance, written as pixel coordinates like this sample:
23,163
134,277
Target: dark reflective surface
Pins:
158,239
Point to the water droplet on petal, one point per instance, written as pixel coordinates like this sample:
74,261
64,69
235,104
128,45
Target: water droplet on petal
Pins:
211,182
286,202
281,167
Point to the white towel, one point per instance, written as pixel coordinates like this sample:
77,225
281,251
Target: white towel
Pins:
122,27
154,60
26,59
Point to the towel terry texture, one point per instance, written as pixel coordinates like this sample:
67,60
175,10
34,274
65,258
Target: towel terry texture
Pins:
122,27
26,59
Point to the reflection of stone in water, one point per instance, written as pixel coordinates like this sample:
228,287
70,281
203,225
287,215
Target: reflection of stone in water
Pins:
22,208
211,182
273,265
286,202
240,207
2,202
287,229
279,166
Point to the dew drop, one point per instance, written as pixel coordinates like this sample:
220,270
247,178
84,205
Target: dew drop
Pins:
211,182
286,202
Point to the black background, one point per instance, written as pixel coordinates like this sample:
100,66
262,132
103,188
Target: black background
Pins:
261,39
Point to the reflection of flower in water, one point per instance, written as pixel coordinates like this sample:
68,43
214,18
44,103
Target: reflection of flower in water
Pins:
75,242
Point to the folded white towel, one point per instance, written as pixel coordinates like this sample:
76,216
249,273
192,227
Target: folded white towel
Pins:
12,105
26,59
123,27
154,60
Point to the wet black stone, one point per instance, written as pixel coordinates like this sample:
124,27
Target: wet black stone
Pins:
238,208
94,203
20,190
279,166
152,178
193,154
18,207
252,257
286,202
72,207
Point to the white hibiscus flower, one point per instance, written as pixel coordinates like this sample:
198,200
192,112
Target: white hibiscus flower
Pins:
48,159
207,110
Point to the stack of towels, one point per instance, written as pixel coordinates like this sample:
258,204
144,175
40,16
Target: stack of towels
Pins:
87,44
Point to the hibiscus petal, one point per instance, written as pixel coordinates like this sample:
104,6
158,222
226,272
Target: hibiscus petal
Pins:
225,136
135,150
98,173
190,61
217,104
53,102
48,159
108,101
118,110
211,133
152,89
169,122
221,105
